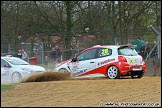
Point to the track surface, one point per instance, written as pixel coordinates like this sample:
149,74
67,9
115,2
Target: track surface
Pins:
85,92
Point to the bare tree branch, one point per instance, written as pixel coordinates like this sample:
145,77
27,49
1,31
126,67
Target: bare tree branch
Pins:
46,17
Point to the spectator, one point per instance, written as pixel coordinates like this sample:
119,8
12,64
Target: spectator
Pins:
53,54
75,54
147,49
142,51
24,55
19,54
46,62
155,51
58,54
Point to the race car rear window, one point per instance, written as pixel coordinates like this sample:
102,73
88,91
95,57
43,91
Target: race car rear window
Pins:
104,52
127,51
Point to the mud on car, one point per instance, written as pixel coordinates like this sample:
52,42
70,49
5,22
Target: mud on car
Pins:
112,61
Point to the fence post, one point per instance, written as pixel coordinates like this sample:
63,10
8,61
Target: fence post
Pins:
7,43
158,39
113,35
42,48
78,41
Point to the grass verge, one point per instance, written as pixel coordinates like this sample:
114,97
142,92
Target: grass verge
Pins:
5,87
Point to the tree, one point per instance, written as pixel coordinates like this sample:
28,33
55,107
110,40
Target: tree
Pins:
128,19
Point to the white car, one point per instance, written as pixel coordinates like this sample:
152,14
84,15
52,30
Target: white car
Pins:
14,69
9,55
110,61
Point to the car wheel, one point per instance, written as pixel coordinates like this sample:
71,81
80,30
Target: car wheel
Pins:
63,70
16,77
140,75
113,72
137,76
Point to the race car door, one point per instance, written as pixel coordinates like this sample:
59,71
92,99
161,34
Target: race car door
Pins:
85,62
5,72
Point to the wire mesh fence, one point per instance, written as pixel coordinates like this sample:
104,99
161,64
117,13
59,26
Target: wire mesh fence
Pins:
79,41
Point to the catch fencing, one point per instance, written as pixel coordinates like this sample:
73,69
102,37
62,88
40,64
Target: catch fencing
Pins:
36,46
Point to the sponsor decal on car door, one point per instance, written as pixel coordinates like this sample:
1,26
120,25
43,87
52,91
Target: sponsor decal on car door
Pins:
4,69
85,62
83,67
105,57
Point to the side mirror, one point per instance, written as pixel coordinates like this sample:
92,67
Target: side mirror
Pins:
7,65
74,60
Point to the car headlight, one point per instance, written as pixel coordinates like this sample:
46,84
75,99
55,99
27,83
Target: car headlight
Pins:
27,69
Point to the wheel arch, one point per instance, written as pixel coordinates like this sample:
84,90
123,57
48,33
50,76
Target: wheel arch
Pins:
111,66
63,69
16,72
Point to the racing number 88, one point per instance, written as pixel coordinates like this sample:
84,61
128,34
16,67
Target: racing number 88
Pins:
104,51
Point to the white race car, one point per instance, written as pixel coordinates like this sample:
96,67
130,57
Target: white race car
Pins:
110,61
14,69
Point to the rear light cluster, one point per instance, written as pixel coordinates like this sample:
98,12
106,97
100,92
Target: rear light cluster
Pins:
143,61
121,58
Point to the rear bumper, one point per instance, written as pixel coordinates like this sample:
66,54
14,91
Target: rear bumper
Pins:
129,73
128,69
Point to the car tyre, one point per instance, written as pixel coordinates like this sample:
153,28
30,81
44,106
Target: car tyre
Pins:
63,70
16,77
113,72
137,76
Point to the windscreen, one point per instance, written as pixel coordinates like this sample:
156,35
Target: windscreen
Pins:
17,61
